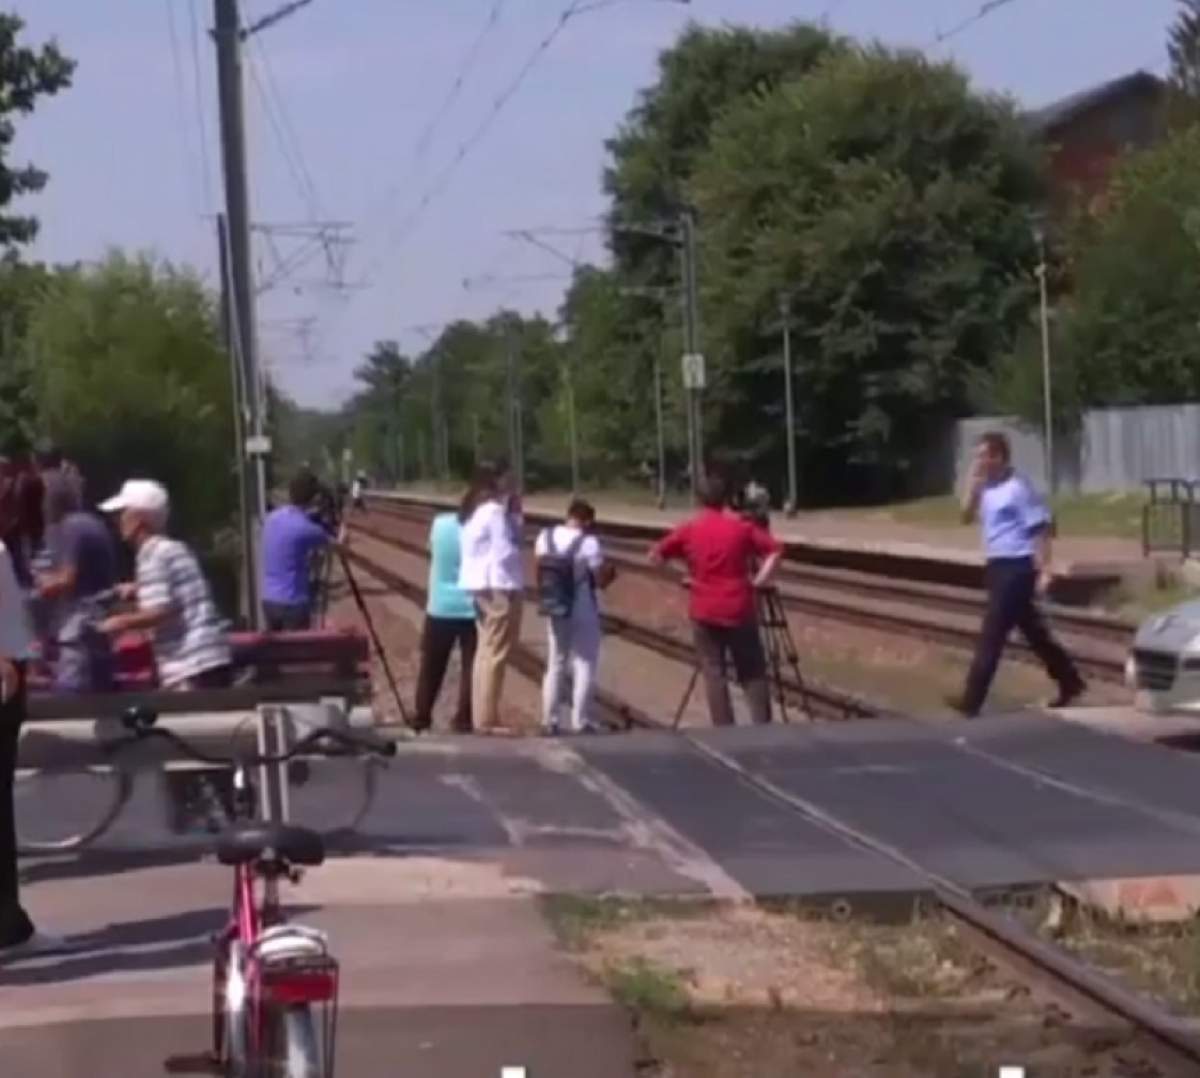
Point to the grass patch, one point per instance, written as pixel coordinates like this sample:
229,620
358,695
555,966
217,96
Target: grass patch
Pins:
1115,515
1162,961
648,989
576,920
928,959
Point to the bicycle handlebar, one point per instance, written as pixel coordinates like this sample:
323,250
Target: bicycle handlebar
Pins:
141,726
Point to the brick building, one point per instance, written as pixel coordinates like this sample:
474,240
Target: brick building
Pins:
1088,131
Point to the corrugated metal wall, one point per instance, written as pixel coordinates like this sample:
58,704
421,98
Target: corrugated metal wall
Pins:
1117,448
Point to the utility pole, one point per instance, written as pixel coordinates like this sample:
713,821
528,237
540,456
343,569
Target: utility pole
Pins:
570,380
785,313
436,424
228,36
1039,234
249,588
658,421
515,449
693,359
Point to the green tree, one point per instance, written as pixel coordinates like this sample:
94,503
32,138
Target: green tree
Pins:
131,380
26,74
890,204
656,149
1127,333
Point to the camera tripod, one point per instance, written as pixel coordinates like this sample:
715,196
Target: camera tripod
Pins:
361,603
779,649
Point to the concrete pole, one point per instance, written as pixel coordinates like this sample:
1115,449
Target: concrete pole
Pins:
785,313
658,421
228,36
691,323
249,588
1046,396
573,432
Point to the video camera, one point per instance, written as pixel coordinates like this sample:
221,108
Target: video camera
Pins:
326,509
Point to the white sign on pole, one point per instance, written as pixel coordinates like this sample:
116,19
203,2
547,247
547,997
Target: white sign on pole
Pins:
693,370
258,445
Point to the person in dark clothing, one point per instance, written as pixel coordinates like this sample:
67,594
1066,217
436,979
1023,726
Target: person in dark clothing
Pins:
83,560
22,524
728,558
1016,536
18,937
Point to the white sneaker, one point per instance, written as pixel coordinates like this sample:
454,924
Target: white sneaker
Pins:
39,943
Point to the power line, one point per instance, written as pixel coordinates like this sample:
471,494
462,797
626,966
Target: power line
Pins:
181,94
464,70
201,111
988,8
275,107
413,217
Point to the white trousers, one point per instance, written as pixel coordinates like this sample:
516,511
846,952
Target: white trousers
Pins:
574,644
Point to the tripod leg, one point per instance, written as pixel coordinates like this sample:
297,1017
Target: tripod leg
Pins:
687,695
360,602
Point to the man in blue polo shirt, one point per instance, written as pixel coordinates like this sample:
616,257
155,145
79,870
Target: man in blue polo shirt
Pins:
1016,537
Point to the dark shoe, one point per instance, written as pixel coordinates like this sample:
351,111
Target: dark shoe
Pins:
1068,694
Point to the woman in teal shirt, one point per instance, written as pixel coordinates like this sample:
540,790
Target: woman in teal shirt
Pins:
449,619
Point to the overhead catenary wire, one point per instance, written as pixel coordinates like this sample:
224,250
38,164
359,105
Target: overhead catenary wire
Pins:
987,9
284,131
460,80
181,95
201,112
408,223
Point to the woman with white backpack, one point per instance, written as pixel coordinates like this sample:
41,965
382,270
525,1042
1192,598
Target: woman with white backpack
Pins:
570,570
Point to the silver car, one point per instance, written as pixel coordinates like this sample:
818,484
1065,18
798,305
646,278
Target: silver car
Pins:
1164,667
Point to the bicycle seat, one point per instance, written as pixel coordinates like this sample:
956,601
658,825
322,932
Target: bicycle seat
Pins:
283,842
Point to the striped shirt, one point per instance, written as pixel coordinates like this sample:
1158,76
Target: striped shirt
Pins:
192,639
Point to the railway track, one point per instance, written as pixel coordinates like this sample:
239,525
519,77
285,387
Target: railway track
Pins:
820,700
940,614
1050,970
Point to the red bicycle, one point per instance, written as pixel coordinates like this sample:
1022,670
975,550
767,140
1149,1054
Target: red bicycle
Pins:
275,984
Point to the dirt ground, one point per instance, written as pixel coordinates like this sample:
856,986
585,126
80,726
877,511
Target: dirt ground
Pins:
721,992
398,623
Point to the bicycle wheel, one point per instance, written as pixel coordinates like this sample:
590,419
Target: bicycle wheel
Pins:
295,1046
60,811
332,795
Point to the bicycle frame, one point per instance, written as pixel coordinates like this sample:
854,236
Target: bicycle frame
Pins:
263,985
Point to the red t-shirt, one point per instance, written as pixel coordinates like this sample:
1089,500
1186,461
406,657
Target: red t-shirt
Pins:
720,550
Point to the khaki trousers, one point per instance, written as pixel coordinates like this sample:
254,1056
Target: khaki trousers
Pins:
498,616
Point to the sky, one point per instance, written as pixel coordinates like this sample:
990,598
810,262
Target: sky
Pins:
353,118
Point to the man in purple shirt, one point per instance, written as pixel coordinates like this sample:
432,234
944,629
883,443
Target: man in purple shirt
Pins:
289,539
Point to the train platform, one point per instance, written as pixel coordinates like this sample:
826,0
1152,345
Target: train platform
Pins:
433,904
869,542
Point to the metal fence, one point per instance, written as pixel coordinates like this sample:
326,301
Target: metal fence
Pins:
1116,449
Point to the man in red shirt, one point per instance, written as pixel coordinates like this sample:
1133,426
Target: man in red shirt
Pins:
722,550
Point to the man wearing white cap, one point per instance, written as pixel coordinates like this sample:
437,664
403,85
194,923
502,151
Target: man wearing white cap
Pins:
173,599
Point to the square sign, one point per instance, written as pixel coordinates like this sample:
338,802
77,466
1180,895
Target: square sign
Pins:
693,370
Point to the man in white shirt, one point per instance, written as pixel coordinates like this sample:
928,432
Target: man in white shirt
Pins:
17,935
571,568
491,570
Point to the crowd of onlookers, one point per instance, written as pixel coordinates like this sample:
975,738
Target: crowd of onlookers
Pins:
476,597
63,603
